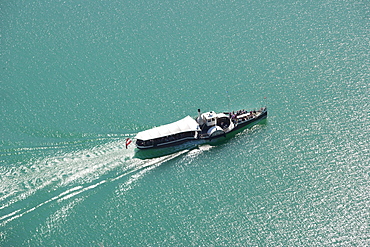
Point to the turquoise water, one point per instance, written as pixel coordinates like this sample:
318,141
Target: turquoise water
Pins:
79,77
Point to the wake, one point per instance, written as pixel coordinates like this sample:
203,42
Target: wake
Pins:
72,174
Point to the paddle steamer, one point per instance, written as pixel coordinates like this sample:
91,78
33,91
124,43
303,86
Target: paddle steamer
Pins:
207,126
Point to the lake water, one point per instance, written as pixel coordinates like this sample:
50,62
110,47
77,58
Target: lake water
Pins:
79,77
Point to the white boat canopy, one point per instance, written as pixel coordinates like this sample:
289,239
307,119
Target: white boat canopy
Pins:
184,125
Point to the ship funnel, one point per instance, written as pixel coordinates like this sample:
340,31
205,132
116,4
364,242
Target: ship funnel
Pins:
199,118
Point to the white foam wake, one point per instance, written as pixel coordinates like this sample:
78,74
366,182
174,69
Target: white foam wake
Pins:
75,173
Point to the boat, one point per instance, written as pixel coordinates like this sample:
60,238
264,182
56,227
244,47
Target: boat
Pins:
205,127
